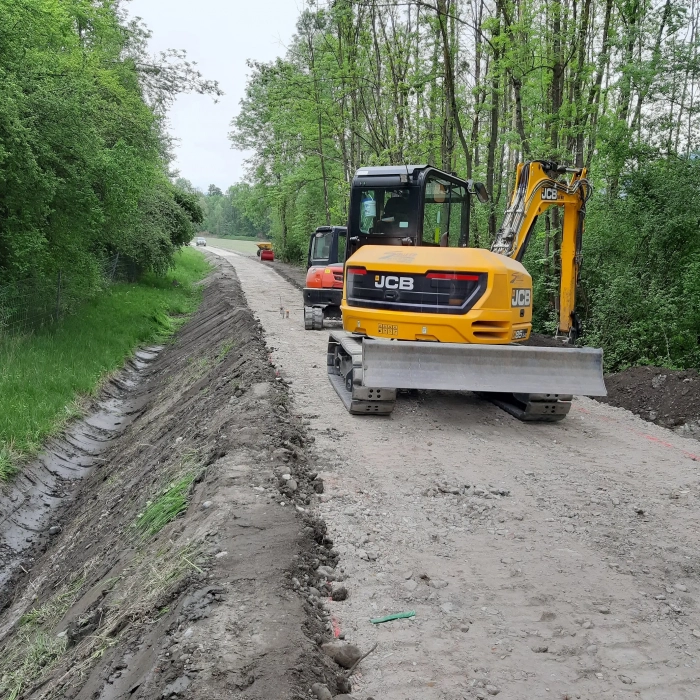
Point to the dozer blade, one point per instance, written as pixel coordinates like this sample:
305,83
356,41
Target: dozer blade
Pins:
511,369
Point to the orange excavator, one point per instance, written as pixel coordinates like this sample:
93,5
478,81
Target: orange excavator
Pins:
323,291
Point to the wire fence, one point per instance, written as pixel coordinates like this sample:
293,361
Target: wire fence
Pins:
37,302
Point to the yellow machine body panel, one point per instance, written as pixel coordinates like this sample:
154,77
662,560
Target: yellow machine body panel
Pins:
447,295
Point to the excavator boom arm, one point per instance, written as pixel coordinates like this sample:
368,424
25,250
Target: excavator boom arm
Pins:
537,188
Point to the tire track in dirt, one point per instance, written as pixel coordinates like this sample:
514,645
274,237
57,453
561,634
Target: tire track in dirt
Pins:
550,560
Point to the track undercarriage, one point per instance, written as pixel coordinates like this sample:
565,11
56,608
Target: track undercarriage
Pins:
357,366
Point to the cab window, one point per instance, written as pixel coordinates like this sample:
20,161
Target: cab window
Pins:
341,247
443,213
321,248
386,211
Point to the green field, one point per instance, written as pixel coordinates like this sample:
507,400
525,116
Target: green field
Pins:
43,376
243,247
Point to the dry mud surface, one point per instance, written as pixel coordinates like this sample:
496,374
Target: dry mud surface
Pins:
205,608
542,561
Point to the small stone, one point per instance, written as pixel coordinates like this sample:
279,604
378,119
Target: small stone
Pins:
639,510
447,608
542,649
681,587
660,597
318,485
372,556
604,610
592,649
492,690
408,574
625,679
55,530
587,625
437,583
286,477
410,585
220,555
207,504
343,653
696,634
616,501
362,554
314,592
339,593
464,627
292,485
328,572
321,692
350,512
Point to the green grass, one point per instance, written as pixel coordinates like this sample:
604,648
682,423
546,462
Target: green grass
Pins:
165,508
43,376
246,247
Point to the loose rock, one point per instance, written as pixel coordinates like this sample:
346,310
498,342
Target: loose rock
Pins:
321,692
343,653
339,593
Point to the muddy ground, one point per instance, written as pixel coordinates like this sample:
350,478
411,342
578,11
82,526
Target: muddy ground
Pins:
105,607
550,560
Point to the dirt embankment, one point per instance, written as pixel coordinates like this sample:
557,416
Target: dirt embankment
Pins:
115,605
670,398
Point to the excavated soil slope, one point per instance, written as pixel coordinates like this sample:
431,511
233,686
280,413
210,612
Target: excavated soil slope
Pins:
667,397
108,607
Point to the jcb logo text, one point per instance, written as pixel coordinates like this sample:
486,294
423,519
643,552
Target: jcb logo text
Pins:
391,282
521,297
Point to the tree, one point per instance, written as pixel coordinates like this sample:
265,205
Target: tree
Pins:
83,153
477,86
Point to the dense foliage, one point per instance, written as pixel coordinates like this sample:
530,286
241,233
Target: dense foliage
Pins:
476,86
243,211
83,159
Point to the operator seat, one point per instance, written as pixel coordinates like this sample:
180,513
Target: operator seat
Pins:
396,211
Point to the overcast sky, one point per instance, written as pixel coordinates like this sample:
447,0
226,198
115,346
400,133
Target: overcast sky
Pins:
220,35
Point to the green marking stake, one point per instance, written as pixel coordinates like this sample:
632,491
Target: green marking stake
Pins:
395,616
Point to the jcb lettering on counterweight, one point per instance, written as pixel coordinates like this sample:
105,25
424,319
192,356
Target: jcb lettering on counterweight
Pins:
521,297
392,282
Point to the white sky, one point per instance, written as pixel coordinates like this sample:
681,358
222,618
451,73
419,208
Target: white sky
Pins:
220,35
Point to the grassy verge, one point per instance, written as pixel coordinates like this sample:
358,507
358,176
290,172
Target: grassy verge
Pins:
246,247
43,375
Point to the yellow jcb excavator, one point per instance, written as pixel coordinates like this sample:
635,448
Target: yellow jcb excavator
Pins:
423,310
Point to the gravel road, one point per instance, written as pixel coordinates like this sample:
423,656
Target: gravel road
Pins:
542,561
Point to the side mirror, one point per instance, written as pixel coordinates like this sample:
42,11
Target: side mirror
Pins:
479,189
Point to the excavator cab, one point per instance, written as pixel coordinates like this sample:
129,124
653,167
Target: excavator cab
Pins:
410,205
323,291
